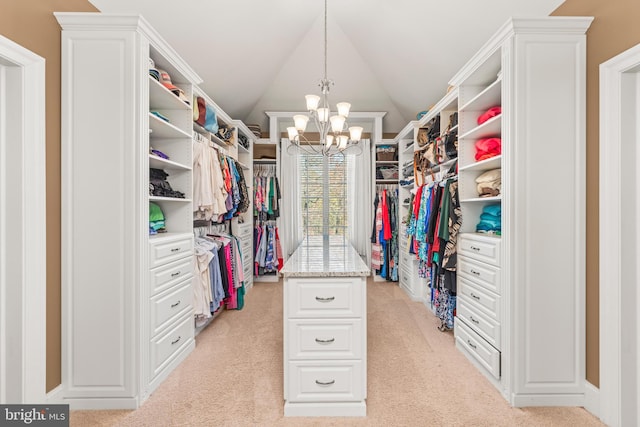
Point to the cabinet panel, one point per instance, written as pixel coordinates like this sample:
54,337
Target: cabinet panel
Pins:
324,298
487,328
480,273
325,339
485,354
486,301
164,277
169,305
326,381
166,345
482,248
163,251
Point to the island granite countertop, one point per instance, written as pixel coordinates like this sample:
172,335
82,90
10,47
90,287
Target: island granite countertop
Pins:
325,258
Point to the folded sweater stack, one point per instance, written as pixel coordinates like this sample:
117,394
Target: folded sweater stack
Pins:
489,183
490,220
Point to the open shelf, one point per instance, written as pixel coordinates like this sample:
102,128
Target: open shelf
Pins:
490,97
161,98
490,128
160,163
486,164
161,129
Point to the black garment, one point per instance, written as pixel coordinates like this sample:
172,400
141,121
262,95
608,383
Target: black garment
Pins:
222,260
376,201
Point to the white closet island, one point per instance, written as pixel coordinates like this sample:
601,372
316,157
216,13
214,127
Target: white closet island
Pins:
325,330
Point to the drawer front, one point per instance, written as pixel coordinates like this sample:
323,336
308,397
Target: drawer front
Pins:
169,305
163,347
169,275
487,328
325,339
480,273
164,251
326,381
482,352
325,297
488,302
245,230
481,248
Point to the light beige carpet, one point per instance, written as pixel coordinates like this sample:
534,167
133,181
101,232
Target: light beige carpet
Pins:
416,376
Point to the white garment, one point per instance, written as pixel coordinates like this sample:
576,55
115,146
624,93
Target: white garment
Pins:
202,293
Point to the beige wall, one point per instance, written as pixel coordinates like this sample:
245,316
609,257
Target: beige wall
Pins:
614,30
31,24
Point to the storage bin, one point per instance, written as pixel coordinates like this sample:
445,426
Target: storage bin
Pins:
386,153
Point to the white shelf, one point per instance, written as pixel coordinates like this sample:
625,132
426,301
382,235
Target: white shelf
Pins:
162,129
490,97
242,149
161,98
490,128
486,164
160,163
242,165
168,199
482,199
386,162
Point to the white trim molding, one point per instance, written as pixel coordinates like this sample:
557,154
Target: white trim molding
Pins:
614,171
22,225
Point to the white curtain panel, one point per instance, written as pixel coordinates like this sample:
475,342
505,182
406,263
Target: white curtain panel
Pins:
360,201
290,212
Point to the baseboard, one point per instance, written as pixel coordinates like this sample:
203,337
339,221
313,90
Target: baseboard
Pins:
55,396
102,403
325,409
592,399
526,400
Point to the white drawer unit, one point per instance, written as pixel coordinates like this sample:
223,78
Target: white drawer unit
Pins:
163,250
328,381
480,273
488,328
483,353
325,339
165,347
482,248
323,297
486,301
169,275
169,305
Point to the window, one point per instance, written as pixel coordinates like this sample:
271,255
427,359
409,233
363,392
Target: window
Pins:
323,194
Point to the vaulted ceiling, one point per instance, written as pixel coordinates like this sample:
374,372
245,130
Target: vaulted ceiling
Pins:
383,55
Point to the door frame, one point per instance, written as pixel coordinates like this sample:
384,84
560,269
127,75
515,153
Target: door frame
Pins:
612,179
22,225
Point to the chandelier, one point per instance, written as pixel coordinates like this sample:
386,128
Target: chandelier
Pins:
335,134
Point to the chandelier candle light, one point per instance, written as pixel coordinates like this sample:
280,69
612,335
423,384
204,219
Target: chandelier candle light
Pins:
332,128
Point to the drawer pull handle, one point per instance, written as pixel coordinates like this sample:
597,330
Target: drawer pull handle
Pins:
175,304
175,342
475,296
175,249
477,273
475,248
329,341
177,273
472,345
474,320
328,299
326,383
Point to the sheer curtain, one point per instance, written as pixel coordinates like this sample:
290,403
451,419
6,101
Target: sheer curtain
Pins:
360,200
290,212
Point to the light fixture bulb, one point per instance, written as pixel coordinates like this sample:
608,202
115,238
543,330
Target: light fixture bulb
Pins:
343,109
337,123
328,141
342,142
355,133
312,102
323,115
300,121
293,133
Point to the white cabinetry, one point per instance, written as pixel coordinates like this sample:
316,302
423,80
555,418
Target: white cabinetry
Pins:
325,346
127,297
521,314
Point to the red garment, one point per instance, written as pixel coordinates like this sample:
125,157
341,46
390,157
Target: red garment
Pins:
488,147
416,212
386,221
491,112
279,251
